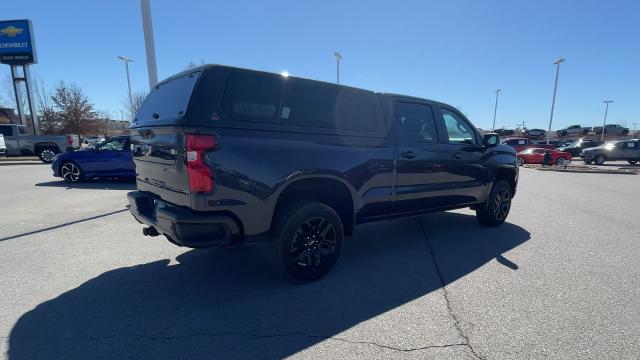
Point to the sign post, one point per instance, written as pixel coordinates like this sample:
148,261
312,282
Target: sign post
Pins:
17,49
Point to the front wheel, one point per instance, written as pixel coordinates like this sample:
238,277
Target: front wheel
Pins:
46,154
599,160
520,161
494,211
560,161
71,172
307,239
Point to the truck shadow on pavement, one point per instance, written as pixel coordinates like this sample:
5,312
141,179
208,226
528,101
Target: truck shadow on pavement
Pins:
223,303
104,184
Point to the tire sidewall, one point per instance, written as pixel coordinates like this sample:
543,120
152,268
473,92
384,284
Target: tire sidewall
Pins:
289,222
486,215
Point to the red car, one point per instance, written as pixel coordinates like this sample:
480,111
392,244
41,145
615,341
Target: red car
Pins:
536,155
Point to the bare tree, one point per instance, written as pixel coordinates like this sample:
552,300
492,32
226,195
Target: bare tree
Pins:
191,64
50,121
11,95
75,111
136,101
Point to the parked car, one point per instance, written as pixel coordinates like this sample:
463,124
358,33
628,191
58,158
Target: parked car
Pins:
109,159
3,146
520,144
224,155
535,133
536,156
19,142
628,150
576,147
92,141
505,132
573,130
611,129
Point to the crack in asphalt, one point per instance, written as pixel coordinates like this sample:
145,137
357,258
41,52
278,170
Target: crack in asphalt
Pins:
231,333
445,293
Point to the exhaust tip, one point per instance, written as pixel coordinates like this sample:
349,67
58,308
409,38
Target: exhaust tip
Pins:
150,231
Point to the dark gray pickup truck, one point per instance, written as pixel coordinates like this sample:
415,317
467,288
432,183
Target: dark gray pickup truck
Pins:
19,142
226,155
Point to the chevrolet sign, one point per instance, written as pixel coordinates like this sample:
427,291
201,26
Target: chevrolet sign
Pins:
16,42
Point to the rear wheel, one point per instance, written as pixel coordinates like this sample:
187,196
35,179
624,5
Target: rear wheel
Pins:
496,208
520,161
307,240
599,160
46,154
71,172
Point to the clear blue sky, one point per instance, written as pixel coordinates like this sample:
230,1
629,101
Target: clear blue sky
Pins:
457,52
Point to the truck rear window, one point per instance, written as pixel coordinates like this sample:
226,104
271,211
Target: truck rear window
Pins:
168,100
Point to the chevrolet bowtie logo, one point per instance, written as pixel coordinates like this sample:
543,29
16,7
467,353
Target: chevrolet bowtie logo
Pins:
11,31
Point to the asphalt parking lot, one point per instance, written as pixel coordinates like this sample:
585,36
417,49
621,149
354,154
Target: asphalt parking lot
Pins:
559,280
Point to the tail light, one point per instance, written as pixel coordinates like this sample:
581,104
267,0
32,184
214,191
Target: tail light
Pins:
200,174
69,140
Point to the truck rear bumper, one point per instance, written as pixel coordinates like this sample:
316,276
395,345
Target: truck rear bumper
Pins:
181,226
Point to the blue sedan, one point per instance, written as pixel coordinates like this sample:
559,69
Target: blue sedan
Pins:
109,159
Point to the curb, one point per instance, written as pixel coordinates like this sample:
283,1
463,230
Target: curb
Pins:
620,172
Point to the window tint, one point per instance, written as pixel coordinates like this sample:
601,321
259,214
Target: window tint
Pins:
307,103
417,121
112,145
458,130
22,130
5,130
356,110
168,100
252,97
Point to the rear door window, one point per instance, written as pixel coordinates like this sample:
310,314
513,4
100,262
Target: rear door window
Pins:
252,97
416,121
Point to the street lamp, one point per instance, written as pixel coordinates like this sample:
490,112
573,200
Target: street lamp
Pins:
338,58
606,110
555,89
495,110
126,61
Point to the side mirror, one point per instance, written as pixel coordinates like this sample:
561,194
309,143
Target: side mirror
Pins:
491,140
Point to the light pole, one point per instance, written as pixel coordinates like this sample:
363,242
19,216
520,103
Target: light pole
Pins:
604,122
555,89
126,61
147,27
338,58
495,110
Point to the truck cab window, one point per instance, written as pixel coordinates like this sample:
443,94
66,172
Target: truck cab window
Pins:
458,130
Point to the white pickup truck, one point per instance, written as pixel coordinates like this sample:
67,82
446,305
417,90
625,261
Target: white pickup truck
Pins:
18,142
3,147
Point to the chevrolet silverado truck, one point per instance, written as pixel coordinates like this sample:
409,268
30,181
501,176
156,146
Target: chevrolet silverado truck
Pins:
46,147
226,156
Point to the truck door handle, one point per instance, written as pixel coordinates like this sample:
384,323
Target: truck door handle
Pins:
408,154
457,156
